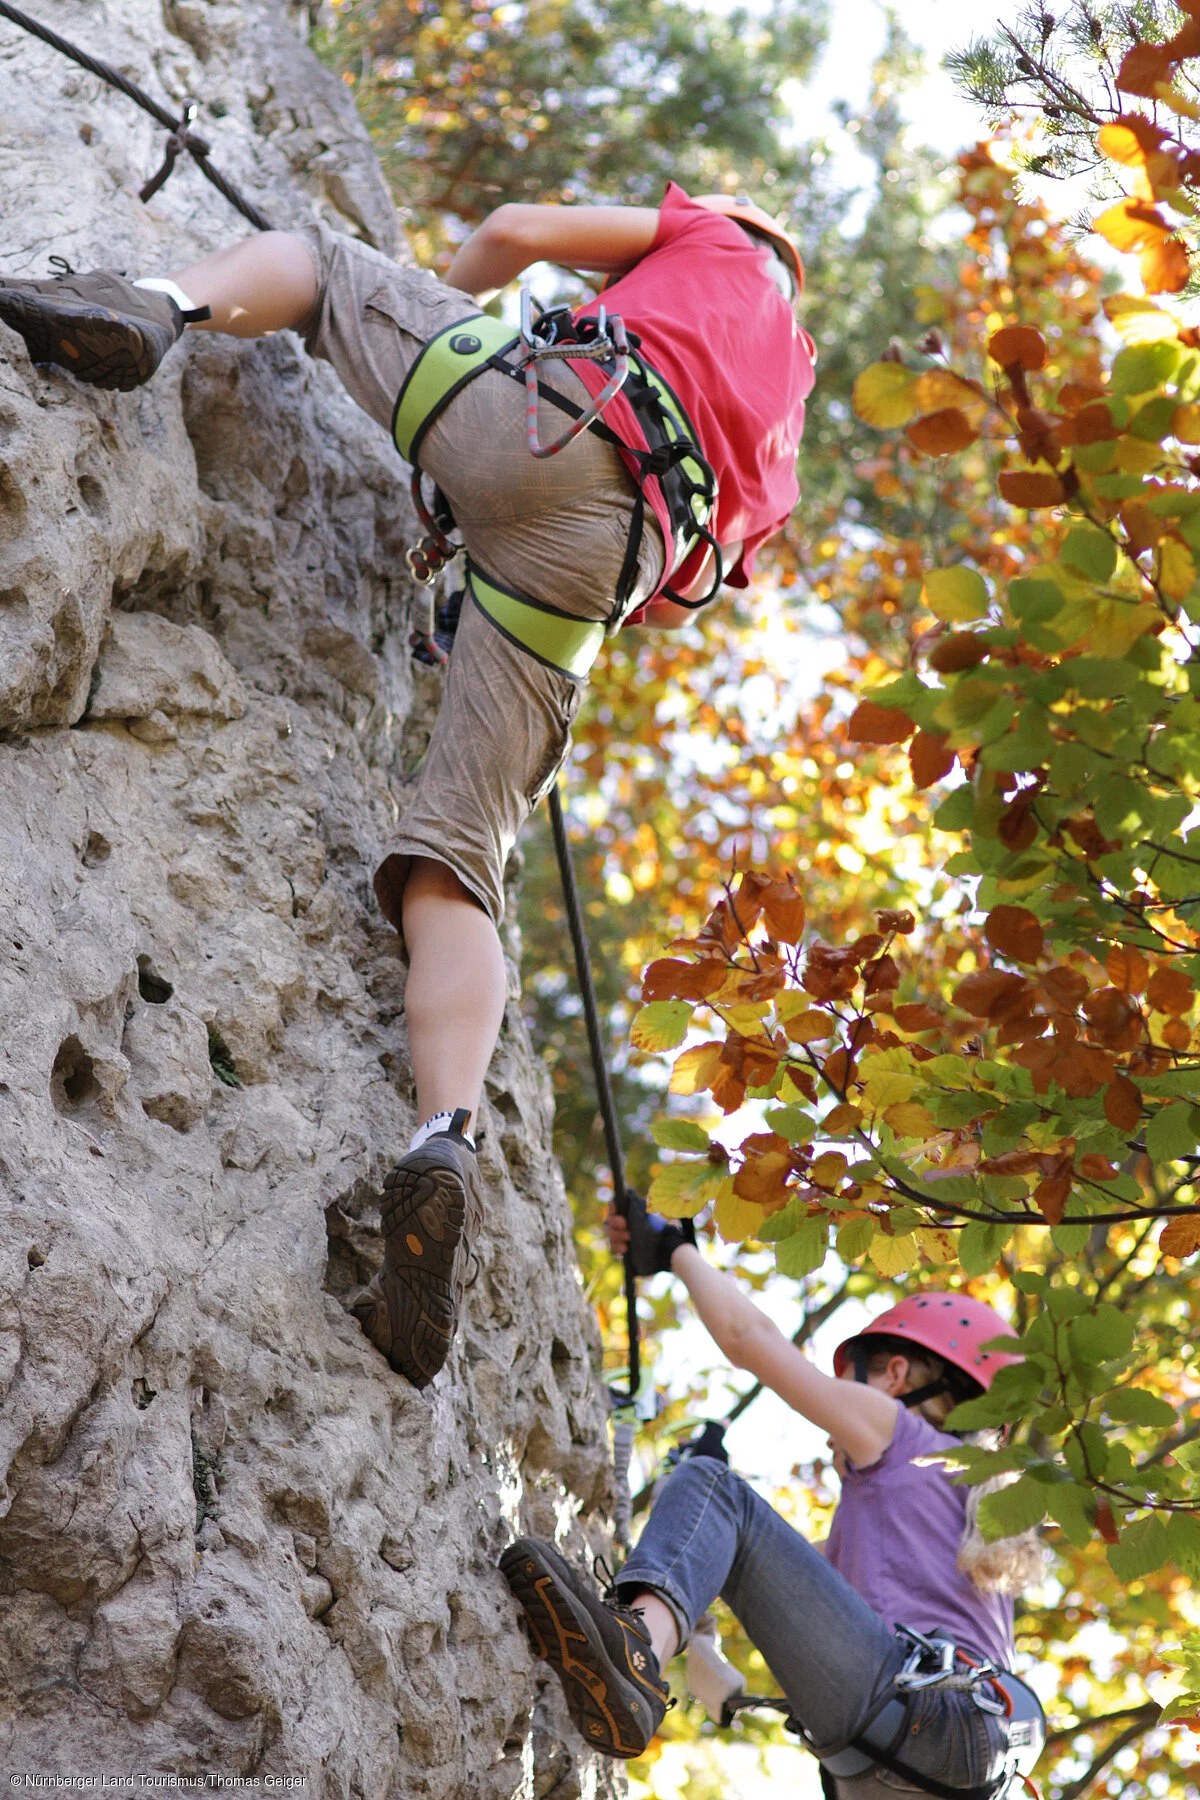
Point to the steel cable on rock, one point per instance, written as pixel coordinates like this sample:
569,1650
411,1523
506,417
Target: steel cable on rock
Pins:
181,137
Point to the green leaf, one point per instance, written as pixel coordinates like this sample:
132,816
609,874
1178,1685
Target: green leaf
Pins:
804,1251
1010,1397
854,1239
1033,601
1144,1547
1072,1509
1013,1510
1099,1336
1089,552
661,1025
1134,1406
682,1189
679,1134
1170,1133
980,1246
792,1123
1183,1542
1029,1281
1144,366
956,595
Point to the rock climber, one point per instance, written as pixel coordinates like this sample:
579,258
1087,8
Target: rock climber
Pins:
904,1551
670,492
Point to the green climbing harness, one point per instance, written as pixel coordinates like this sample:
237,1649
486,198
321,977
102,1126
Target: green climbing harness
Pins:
465,350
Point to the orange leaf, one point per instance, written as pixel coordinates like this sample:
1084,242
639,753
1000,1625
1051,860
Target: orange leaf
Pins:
916,1016
669,979
1177,1034
1170,991
1123,1103
1180,1237
839,1070
929,757
1094,425
990,992
1114,1017
841,1120
783,911
1015,931
892,919
961,650
1106,1525
1073,396
871,724
1021,487
1065,986
1017,346
1141,71
1127,968
1096,1167
1165,266
941,433
1050,1197
1130,139
1132,225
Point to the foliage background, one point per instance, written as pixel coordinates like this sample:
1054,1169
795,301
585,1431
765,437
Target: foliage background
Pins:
935,701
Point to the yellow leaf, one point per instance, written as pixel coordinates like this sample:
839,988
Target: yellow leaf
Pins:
1176,569
936,1245
885,395
807,1027
828,1169
939,388
695,1069
1134,456
1186,424
661,1025
956,595
680,1190
842,1120
737,1219
1139,321
909,1119
789,1090
893,1255
746,1016
888,1077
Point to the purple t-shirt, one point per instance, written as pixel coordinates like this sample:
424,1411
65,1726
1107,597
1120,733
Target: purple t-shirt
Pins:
895,1537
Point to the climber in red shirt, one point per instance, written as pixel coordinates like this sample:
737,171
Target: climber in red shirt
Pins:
667,492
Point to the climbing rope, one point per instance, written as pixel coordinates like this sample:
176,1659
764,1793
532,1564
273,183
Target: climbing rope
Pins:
604,1093
181,138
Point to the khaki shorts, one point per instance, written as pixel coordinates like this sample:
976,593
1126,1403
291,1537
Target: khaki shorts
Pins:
554,529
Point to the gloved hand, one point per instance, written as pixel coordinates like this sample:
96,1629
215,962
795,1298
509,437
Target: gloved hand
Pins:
653,1239
708,1442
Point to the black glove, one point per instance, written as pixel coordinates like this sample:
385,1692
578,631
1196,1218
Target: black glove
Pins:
709,1442
653,1239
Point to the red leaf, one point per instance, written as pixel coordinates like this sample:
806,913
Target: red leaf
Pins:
1025,488
871,724
916,1016
929,757
1123,1103
1017,346
961,650
1106,1525
990,992
669,979
1015,931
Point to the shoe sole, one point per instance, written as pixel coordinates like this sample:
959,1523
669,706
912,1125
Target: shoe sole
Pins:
423,1215
612,1714
96,345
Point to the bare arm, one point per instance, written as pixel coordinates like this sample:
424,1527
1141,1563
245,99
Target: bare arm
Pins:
605,239
861,1420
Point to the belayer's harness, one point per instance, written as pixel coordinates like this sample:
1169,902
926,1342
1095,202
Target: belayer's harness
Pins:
466,350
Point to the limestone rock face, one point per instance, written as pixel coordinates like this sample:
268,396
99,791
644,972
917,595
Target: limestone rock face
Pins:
232,1542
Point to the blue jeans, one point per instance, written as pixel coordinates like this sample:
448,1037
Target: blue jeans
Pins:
832,1655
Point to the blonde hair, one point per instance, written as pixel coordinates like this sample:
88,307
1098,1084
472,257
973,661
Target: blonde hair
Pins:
1008,1565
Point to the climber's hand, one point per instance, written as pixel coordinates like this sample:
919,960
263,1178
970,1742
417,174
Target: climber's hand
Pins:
650,1239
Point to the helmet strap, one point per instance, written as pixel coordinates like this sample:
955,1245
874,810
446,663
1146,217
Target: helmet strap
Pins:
939,1385
860,1356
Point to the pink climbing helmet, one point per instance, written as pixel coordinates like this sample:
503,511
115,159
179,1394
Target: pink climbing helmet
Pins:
952,1326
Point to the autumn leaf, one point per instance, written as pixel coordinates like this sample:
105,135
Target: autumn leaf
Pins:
1132,225
872,724
956,595
1027,489
930,758
885,395
1051,1195
1017,346
1180,1237
783,911
941,433
1123,1103
1166,266
670,979
1170,991
1127,968
990,991
695,1069
661,1025
1015,931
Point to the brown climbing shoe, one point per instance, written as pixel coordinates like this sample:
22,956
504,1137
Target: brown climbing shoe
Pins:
599,1651
99,326
432,1210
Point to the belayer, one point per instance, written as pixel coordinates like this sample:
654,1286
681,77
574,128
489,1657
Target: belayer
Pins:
893,1641
667,492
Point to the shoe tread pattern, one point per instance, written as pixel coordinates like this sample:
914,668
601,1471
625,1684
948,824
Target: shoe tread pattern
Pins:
423,1215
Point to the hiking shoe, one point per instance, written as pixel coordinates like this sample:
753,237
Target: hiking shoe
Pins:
432,1210
600,1651
106,331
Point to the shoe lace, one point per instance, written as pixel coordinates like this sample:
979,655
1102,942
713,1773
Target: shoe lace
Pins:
603,1571
61,266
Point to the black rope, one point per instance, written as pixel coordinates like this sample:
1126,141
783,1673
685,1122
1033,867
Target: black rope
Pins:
604,1093
181,138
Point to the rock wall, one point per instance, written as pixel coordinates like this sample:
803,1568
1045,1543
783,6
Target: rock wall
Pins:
232,1542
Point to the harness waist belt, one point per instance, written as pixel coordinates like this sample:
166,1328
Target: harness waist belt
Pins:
561,642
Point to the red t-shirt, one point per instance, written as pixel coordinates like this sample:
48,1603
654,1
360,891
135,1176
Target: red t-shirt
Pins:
728,343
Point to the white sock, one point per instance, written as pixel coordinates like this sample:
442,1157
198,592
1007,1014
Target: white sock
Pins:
160,284
439,1122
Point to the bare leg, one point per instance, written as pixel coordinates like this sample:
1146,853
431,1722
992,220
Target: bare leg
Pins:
265,283
456,987
659,1622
